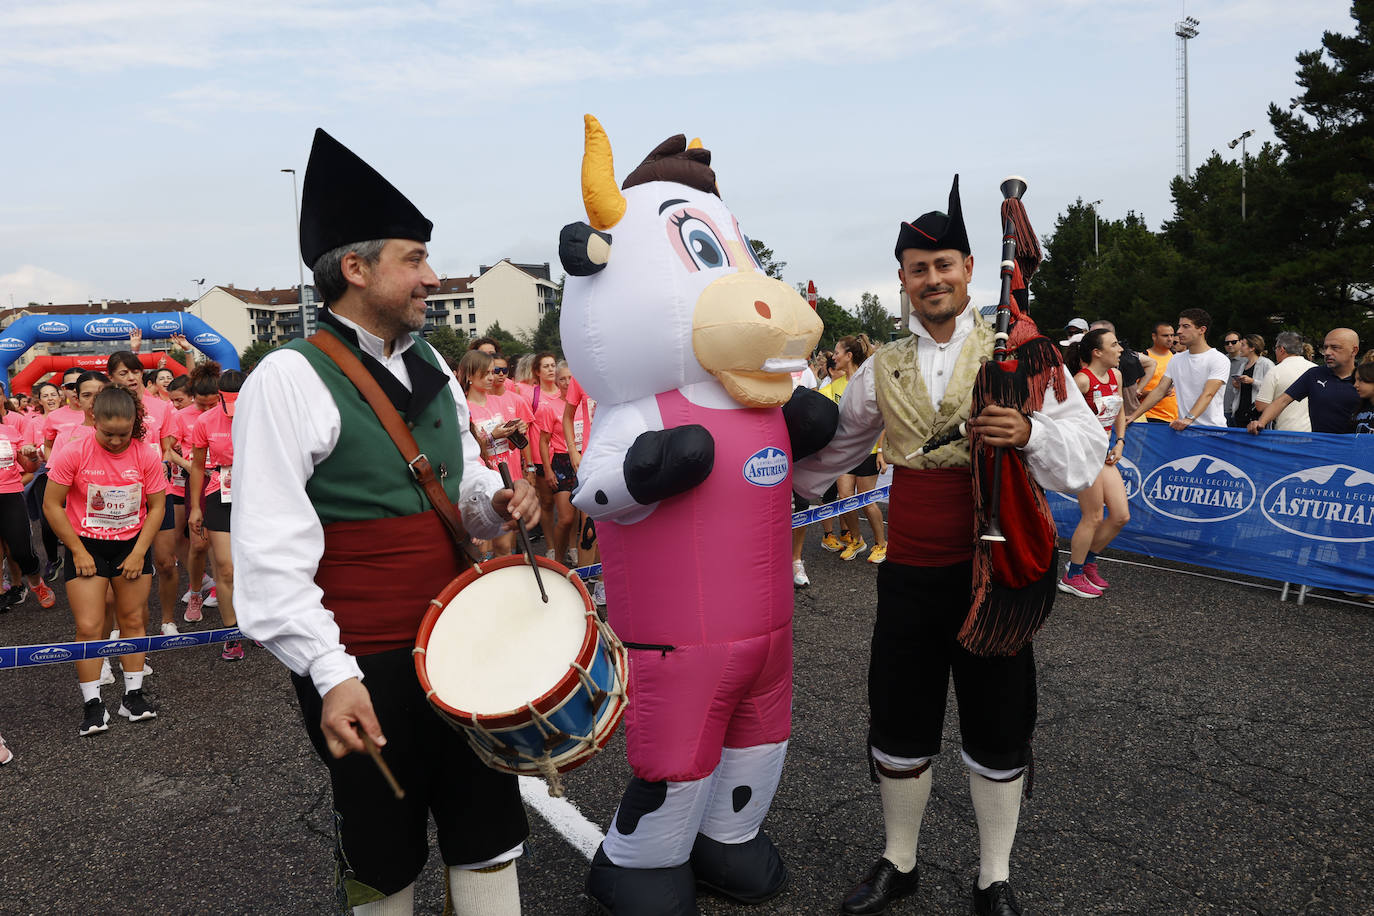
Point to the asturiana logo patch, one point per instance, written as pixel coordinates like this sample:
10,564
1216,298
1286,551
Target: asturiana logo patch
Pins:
180,642
1130,476
54,327
1199,488
767,467
12,343
166,325
1334,502
205,339
120,647
109,327
49,654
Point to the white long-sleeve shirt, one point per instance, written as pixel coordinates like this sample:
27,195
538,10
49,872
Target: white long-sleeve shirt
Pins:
1065,452
285,423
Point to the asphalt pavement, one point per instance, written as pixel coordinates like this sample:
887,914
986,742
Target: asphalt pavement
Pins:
1202,748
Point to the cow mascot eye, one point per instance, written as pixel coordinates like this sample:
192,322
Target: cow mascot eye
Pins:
701,242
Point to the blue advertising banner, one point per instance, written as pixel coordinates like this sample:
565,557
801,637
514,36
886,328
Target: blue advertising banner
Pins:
1292,507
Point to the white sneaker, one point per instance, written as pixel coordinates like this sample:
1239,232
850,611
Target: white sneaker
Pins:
185,599
211,600
106,675
599,593
206,582
114,634
799,574
170,629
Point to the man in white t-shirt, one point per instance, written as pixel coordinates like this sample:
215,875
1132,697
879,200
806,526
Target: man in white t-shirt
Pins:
1291,365
1198,374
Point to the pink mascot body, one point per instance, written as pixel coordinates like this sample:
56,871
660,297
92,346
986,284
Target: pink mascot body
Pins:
688,348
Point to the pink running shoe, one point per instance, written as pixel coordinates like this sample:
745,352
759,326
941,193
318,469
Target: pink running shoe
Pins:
233,651
193,612
1091,574
1080,586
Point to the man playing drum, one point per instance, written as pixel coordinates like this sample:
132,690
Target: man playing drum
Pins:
913,388
339,553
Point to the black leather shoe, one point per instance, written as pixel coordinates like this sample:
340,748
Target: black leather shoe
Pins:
996,900
883,884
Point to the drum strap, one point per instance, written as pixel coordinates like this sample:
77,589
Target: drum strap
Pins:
396,428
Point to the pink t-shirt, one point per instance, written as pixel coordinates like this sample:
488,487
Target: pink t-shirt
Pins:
36,422
582,420
212,432
548,417
157,413
179,423
12,439
70,434
59,420
108,499
498,411
19,422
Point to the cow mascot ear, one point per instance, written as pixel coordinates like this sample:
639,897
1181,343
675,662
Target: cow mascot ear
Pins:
583,250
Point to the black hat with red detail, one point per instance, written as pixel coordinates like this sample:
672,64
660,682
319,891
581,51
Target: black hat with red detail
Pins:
936,231
344,200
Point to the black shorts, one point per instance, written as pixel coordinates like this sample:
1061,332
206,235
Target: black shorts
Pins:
868,467
914,653
383,843
563,473
108,554
217,513
169,515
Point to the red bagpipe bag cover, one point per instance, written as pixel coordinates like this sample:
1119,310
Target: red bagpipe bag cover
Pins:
1012,588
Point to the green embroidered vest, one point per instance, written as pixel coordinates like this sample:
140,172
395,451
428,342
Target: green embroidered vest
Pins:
365,476
905,402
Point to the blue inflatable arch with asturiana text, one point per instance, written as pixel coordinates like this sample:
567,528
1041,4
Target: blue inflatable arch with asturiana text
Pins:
32,329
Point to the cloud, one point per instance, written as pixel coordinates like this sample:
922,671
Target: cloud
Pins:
30,283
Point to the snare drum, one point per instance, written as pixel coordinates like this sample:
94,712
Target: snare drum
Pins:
538,689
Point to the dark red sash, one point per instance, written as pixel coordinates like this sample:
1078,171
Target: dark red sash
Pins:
930,517
379,576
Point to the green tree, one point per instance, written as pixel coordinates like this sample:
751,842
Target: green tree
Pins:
451,344
253,354
875,320
511,345
771,266
1131,283
838,322
1068,255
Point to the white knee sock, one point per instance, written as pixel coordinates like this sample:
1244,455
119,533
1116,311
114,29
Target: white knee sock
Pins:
90,690
904,805
486,892
401,903
997,805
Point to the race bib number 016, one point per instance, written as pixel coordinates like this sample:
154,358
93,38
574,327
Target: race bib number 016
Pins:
113,508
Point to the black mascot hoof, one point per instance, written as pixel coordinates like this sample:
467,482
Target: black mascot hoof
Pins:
641,891
748,872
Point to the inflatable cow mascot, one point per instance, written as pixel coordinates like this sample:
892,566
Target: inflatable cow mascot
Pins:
688,348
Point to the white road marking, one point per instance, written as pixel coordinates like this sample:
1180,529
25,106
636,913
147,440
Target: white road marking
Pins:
562,815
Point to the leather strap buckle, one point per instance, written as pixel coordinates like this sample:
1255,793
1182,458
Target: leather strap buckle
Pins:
420,468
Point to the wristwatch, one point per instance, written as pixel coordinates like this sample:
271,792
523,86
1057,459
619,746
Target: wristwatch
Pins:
530,468
1188,416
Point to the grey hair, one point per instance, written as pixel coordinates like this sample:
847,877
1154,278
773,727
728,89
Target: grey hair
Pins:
328,269
1289,342
1102,323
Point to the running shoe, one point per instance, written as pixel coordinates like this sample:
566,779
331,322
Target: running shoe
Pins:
46,598
135,707
832,543
51,571
15,596
170,629
193,608
1080,586
233,651
1092,575
599,593
799,579
212,599
106,673
95,719
877,554
186,597
854,549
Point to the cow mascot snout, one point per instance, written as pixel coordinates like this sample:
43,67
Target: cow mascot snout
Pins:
670,324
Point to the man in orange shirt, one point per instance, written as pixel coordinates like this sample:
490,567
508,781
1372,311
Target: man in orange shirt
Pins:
1161,342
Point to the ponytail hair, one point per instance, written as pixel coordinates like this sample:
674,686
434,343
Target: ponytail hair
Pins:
205,378
115,403
858,346
1080,353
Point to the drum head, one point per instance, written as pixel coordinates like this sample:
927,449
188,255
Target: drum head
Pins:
497,646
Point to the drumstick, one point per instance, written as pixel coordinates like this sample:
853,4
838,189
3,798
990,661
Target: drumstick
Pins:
524,535
376,754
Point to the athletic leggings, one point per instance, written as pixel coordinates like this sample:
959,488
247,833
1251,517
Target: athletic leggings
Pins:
36,492
14,529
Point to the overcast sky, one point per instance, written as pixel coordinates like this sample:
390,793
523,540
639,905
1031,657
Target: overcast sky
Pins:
142,141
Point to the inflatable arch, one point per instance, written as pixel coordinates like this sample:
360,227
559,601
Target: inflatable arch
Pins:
26,378
32,329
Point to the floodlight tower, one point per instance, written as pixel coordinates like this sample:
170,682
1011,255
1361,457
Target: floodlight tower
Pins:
1184,29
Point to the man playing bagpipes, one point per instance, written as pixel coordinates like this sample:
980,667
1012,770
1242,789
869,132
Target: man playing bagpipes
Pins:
948,601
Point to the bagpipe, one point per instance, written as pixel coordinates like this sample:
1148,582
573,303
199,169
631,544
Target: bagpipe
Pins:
1014,561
